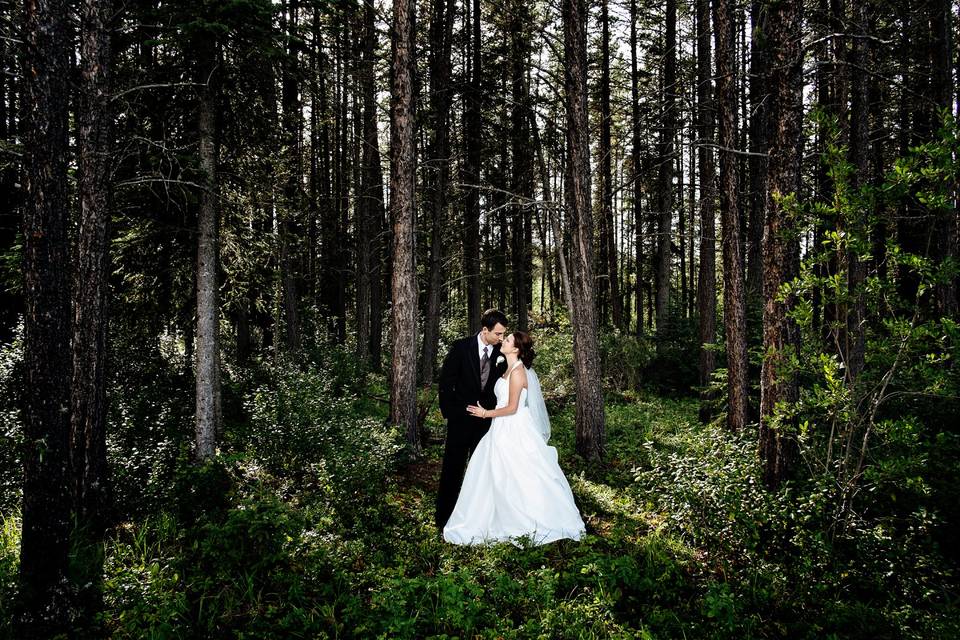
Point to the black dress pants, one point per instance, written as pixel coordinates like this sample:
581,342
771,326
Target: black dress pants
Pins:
462,439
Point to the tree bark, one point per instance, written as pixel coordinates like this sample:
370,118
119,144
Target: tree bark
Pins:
46,343
635,156
551,213
608,241
943,91
707,276
857,233
522,166
734,305
370,203
665,215
91,286
292,200
586,353
759,101
777,383
208,312
471,168
438,161
403,378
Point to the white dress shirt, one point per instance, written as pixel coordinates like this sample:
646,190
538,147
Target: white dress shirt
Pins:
480,347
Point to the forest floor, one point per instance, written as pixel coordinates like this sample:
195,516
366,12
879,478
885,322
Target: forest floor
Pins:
626,578
312,524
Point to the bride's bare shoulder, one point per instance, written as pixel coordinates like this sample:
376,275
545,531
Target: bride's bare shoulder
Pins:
520,373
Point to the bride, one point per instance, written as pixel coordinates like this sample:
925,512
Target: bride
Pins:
513,486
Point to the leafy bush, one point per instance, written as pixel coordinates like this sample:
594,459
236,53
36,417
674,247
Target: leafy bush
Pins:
11,430
554,361
149,428
781,548
625,359
9,565
673,368
304,429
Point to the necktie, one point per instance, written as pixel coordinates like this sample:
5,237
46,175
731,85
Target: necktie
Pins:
484,368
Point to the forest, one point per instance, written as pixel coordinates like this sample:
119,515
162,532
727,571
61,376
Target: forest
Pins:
239,237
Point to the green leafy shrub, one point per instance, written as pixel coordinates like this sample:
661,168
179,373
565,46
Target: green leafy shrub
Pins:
9,565
304,429
149,430
625,359
11,430
673,368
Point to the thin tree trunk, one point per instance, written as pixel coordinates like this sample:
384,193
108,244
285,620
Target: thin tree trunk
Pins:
707,285
471,168
522,167
94,144
635,156
291,201
759,101
370,203
345,170
591,437
943,89
46,344
692,186
778,384
665,216
207,333
551,213
860,157
441,92
403,376
734,305
609,232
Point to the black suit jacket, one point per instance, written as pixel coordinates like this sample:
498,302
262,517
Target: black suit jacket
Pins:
460,381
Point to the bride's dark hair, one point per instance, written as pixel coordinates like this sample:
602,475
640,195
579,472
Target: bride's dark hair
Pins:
524,343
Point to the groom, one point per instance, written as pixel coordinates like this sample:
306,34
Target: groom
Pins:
469,373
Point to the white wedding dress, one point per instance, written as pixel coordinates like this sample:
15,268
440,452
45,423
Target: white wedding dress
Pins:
513,486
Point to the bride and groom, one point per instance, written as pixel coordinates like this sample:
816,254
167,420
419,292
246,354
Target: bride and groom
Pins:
493,404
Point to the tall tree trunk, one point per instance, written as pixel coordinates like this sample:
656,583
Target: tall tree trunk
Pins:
694,209
757,162
591,434
370,203
403,372
860,158
46,344
471,167
778,384
943,91
441,97
522,167
707,284
378,250
821,312
343,152
734,305
551,213
665,216
291,120
635,157
95,146
609,232
313,200
11,194
329,220
208,311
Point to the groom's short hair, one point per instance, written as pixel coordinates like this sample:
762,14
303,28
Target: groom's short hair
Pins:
491,317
